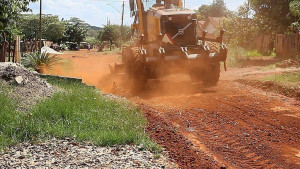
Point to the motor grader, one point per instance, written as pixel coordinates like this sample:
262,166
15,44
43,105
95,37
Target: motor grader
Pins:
164,40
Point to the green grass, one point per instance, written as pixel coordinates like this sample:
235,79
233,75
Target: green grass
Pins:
235,55
77,111
238,56
293,77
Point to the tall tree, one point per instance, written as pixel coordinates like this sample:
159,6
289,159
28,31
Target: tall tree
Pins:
9,15
241,30
53,29
295,10
273,15
76,30
216,9
112,33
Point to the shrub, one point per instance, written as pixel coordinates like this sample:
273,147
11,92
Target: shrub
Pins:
38,60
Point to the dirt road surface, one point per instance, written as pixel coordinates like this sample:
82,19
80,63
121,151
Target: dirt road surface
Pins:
230,125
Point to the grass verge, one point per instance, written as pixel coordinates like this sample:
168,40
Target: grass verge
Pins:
293,77
286,84
77,111
240,57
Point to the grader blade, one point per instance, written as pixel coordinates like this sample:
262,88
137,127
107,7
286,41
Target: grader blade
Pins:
117,68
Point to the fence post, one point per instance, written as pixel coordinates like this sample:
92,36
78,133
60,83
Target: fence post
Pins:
297,43
17,49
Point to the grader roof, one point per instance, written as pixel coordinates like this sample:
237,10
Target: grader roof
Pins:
172,11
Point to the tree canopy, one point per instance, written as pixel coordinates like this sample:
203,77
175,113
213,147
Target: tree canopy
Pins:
112,33
10,12
216,9
274,15
76,30
53,29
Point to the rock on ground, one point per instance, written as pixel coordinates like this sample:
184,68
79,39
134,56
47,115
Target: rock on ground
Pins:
67,153
27,87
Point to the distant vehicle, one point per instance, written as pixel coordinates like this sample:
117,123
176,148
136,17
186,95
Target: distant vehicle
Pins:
73,46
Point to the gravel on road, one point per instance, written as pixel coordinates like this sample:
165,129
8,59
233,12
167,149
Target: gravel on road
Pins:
67,153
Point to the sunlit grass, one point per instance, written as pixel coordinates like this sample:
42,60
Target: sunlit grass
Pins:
293,77
78,112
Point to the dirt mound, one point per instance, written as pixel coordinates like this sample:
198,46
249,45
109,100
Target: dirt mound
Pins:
27,87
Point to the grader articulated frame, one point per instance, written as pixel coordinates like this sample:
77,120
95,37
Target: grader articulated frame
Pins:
164,40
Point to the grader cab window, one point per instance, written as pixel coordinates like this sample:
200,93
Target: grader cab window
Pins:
155,3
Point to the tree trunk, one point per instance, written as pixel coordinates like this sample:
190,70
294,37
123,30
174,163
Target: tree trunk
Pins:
4,47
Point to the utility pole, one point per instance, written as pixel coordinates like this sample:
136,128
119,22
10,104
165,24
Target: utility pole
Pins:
41,26
121,44
248,9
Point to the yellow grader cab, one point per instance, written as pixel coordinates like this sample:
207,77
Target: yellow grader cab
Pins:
164,41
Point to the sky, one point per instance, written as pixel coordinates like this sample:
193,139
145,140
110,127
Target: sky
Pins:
96,12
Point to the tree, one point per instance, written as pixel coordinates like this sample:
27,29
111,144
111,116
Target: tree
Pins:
295,10
53,29
9,15
274,16
76,30
216,9
241,30
112,33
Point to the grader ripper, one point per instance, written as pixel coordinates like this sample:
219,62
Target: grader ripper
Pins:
164,40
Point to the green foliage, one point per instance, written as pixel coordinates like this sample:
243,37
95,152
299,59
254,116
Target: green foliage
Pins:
92,37
52,28
295,10
216,9
236,55
9,15
77,111
10,120
54,31
240,31
37,60
273,16
292,77
112,33
93,41
76,30
92,33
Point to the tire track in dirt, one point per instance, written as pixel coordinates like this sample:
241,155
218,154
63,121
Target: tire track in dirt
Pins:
244,134
180,148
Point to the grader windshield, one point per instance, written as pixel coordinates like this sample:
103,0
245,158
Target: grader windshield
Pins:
150,3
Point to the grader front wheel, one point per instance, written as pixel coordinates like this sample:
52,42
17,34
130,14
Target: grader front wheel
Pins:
137,73
212,74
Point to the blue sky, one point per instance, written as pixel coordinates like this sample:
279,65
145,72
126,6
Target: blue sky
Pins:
95,12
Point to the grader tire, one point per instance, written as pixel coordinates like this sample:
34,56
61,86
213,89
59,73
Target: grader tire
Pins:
138,77
212,74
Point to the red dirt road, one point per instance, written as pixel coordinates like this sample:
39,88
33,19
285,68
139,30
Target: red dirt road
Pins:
231,125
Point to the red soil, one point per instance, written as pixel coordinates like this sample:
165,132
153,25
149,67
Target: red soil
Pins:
231,125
